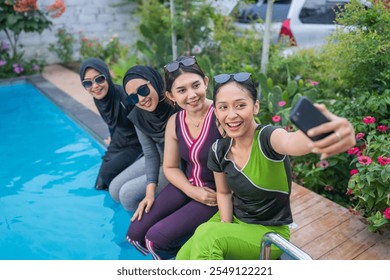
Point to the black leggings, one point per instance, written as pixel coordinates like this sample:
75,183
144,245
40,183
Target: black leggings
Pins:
114,163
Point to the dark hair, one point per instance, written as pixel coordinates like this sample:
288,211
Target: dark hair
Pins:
170,77
249,85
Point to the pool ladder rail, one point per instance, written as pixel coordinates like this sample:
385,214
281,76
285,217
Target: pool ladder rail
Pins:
290,251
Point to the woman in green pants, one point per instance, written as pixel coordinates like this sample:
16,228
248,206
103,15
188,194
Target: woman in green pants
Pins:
252,173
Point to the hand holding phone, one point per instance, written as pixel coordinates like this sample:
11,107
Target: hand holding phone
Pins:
306,116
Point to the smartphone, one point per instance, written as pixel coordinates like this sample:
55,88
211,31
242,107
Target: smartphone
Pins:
306,116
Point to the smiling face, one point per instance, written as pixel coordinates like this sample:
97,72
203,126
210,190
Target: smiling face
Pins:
235,108
98,91
189,91
148,103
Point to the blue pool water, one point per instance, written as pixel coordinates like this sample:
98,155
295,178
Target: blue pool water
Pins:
49,208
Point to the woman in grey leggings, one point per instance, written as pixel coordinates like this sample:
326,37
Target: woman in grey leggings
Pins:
136,187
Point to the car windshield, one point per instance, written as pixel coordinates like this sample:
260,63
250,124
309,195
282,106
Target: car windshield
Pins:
254,12
321,11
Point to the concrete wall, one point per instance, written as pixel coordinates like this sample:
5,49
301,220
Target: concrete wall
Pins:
93,18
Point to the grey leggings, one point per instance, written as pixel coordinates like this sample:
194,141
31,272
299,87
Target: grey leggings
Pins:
129,186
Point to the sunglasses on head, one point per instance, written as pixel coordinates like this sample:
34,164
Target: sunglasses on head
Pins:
238,77
142,90
99,79
174,65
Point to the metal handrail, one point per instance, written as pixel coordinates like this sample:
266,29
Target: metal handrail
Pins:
283,244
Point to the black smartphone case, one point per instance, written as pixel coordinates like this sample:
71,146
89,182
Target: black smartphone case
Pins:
305,116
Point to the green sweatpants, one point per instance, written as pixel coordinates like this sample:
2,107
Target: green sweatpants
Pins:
214,240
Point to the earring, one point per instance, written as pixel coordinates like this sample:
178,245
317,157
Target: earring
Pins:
174,103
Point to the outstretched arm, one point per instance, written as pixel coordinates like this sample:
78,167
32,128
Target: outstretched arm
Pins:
297,143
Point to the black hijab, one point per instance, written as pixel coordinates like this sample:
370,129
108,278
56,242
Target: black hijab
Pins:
112,107
153,123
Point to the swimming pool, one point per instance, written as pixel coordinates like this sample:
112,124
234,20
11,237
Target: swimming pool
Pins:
48,207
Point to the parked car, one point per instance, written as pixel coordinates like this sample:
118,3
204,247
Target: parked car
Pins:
304,23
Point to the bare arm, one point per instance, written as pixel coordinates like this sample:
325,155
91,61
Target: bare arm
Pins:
297,143
224,197
175,175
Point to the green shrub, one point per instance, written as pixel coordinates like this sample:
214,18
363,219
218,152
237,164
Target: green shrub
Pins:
63,48
361,57
110,50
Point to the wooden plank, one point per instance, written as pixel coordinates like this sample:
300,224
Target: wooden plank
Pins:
354,246
333,238
379,251
306,234
303,215
297,191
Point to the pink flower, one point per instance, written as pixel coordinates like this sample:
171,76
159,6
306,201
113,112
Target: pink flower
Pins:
328,188
353,172
382,128
314,83
196,49
349,191
17,68
360,135
281,103
323,164
387,213
383,160
364,160
368,120
276,119
353,150
57,8
25,6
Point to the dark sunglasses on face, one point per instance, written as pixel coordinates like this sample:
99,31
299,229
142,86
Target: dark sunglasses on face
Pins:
99,79
174,65
142,90
238,77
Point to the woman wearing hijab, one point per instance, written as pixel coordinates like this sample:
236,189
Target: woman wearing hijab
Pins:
124,148
135,188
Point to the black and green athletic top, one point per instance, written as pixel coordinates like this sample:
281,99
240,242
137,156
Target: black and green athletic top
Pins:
261,189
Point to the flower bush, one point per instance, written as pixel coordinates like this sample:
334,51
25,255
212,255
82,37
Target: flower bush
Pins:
369,185
10,68
64,45
17,16
110,50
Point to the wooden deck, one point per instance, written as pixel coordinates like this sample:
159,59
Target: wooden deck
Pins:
328,231
325,230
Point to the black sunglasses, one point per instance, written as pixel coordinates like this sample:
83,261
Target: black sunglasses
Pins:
142,90
238,77
99,79
174,65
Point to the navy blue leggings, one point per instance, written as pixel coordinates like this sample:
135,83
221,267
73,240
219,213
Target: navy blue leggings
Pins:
170,223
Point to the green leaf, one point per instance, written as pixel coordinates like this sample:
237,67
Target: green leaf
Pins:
144,49
264,84
285,97
145,31
292,87
385,174
270,83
